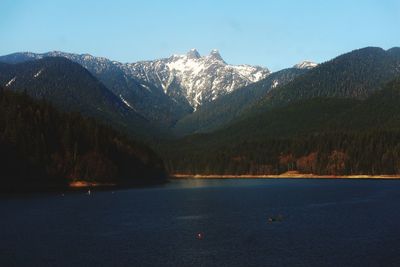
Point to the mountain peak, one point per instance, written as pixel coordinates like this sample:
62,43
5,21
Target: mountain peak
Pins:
189,80
193,53
215,55
305,65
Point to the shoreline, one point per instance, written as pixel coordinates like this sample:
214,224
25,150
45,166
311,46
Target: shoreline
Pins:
288,175
84,184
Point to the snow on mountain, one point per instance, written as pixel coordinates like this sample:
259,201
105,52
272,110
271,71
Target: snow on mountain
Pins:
275,83
305,65
38,73
96,64
148,100
189,80
125,102
11,81
198,79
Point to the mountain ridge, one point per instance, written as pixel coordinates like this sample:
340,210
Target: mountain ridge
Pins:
214,115
327,136
355,74
194,79
171,87
148,100
72,88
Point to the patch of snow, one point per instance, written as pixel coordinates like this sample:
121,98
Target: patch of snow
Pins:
275,83
305,65
198,78
198,97
38,73
11,81
125,102
88,57
166,86
146,87
192,66
258,76
251,73
232,87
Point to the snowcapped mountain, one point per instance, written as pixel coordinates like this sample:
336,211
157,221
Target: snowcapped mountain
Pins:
305,65
164,89
144,98
177,84
194,78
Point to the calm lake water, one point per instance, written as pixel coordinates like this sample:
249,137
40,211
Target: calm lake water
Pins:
325,223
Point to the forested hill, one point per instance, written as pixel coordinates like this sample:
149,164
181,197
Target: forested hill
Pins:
220,112
70,87
42,148
320,135
356,74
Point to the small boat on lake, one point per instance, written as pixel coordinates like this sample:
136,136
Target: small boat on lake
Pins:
200,236
278,218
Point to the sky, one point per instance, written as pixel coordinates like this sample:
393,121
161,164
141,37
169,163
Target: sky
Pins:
274,34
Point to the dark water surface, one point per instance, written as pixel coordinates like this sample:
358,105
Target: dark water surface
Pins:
325,223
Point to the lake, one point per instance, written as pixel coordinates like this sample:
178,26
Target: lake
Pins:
321,223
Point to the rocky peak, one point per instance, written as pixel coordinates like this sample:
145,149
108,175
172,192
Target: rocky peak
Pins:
193,79
193,53
214,54
190,80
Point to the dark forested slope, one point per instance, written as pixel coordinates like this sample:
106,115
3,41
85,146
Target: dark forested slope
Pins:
319,135
70,87
41,148
356,74
148,100
220,112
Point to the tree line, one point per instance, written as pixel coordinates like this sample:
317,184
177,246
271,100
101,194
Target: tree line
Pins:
42,147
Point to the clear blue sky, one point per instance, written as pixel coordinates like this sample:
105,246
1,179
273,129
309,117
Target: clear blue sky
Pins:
275,34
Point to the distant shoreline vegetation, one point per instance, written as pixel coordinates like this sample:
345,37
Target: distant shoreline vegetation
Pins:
322,136
287,175
370,153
